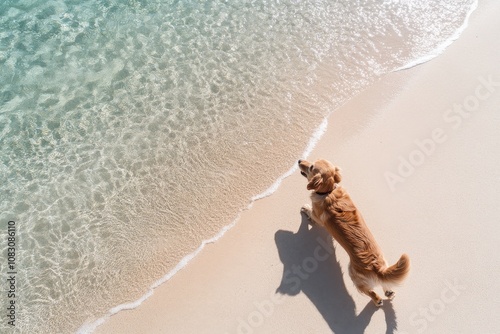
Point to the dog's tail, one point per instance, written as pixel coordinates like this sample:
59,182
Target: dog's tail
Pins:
396,273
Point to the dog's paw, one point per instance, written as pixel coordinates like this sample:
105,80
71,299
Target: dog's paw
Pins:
307,210
390,294
378,303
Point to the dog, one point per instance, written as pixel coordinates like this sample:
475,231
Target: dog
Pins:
333,209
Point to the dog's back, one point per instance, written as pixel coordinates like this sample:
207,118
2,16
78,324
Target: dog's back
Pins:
347,226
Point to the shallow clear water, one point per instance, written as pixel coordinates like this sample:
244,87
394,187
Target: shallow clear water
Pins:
130,131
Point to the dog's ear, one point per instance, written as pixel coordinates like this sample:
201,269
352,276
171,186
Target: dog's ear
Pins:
315,182
328,184
337,177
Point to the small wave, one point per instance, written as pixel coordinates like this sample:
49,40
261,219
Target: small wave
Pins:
440,48
318,133
90,327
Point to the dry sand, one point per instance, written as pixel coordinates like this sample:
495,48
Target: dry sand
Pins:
271,273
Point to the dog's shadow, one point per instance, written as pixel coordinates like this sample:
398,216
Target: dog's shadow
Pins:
310,266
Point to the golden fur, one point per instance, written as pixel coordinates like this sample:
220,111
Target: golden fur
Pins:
333,208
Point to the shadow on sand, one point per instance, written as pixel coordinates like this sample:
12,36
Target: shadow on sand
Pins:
310,266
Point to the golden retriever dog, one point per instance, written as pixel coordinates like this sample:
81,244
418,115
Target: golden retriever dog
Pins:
333,209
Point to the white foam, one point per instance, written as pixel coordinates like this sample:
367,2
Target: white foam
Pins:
90,327
320,130
318,133
440,48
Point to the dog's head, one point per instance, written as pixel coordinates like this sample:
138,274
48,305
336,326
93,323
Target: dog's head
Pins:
322,175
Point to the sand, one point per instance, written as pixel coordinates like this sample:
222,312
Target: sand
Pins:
420,153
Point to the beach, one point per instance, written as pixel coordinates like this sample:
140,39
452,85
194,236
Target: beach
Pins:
420,153
136,135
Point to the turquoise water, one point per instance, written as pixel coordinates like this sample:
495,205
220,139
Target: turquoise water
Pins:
130,131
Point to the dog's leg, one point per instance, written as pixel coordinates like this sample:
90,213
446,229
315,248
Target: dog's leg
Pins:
363,285
375,298
307,210
389,293
372,294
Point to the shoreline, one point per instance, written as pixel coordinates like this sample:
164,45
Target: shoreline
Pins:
92,326
389,84
443,46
